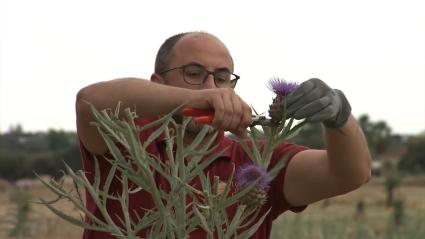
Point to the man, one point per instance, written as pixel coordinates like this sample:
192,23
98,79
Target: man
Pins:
196,69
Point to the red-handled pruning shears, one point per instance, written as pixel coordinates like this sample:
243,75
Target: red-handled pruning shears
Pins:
206,117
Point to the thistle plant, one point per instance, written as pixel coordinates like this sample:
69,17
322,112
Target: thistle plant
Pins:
248,174
260,151
173,215
182,208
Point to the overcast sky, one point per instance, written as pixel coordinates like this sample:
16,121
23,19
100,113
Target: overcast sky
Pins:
373,50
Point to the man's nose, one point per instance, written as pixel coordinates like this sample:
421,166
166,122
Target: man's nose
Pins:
209,82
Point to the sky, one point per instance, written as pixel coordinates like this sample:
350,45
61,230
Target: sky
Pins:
372,50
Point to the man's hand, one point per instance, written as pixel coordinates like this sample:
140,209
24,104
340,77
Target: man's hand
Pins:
317,102
231,112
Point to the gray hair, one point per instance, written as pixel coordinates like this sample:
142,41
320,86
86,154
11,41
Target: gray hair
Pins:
161,60
162,57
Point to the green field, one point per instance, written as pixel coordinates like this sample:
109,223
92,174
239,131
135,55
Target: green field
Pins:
334,218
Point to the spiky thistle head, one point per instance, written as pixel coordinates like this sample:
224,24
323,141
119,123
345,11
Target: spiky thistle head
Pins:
249,173
281,87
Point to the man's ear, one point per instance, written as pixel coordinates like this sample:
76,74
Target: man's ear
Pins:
157,78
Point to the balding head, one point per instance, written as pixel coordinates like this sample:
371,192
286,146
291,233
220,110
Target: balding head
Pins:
184,42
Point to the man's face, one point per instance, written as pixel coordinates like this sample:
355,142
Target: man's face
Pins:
201,49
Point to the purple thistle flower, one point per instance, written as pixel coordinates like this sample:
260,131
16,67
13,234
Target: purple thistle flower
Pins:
281,87
250,172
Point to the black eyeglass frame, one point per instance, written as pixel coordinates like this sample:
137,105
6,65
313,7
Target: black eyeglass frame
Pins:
183,67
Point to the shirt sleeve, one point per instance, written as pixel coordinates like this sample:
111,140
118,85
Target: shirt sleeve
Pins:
276,195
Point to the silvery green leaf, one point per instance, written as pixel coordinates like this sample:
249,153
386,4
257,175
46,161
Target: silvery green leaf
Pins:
135,150
154,163
117,110
255,111
153,124
124,205
249,232
113,149
154,135
204,224
236,221
239,194
198,170
227,189
205,149
248,151
73,220
169,144
148,219
105,124
95,197
199,138
163,120
255,146
97,176
295,130
278,167
109,178
216,181
288,127
256,133
55,189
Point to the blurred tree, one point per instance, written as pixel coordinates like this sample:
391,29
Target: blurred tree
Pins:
413,161
47,163
57,139
14,165
16,129
23,153
378,135
71,156
310,136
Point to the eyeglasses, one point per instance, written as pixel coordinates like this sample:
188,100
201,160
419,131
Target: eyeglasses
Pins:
195,74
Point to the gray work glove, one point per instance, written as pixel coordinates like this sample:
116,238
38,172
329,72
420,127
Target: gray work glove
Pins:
317,102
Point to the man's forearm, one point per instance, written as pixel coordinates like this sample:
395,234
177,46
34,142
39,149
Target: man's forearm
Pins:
348,154
138,94
149,99
146,98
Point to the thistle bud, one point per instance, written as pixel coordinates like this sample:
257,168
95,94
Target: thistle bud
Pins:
282,89
276,109
248,174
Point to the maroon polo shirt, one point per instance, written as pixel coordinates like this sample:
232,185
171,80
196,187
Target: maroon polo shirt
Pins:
233,156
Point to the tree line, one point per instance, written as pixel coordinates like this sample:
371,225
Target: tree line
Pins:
23,153
408,151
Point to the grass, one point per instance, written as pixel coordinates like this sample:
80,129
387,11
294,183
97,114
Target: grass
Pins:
338,217
334,218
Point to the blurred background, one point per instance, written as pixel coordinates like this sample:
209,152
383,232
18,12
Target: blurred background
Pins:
372,50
